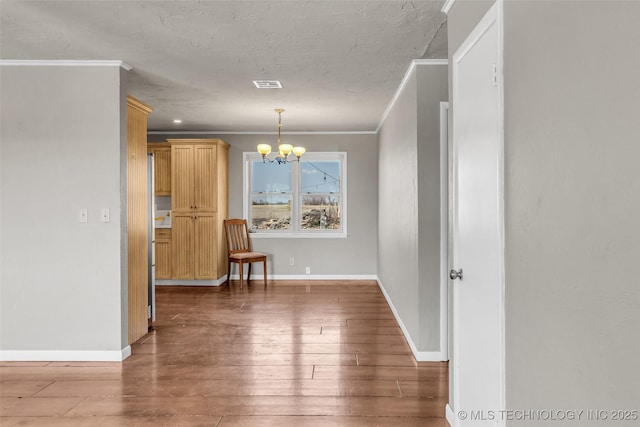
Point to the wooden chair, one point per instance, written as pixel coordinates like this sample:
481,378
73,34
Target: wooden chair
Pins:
239,248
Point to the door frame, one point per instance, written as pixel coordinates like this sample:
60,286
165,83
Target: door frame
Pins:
493,17
444,231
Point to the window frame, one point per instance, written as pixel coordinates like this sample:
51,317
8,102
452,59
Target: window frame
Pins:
296,208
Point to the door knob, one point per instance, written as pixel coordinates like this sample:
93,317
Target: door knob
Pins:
455,274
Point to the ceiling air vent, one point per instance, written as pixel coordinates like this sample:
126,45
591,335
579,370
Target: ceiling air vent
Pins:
267,84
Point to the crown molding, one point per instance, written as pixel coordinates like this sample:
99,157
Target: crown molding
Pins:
136,103
225,132
65,63
446,7
405,79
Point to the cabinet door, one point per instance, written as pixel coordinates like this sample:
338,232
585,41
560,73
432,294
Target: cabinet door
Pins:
182,245
204,161
206,254
162,171
163,259
182,178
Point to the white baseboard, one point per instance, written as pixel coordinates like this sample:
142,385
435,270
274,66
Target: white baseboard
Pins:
310,277
421,356
64,355
223,280
186,282
451,418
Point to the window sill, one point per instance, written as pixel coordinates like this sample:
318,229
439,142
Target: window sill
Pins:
285,235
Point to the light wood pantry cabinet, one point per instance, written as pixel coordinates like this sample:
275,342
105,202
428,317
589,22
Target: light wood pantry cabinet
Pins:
163,253
161,168
137,219
199,205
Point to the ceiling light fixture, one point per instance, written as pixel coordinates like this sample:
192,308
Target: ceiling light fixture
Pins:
283,149
177,121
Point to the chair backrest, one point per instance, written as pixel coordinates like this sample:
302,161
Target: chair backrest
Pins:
237,232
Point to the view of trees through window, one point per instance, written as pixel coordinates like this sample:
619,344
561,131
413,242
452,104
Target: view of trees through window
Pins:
296,196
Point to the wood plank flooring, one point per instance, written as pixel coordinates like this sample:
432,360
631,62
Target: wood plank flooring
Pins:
289,354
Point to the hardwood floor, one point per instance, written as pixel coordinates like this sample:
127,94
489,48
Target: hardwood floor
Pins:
289,354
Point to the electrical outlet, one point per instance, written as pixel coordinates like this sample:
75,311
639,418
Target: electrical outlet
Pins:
292,261
307,270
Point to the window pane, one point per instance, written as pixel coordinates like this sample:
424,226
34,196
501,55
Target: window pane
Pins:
271,178
271,212
320,212
320,177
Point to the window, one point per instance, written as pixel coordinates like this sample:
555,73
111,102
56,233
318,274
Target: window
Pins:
297,199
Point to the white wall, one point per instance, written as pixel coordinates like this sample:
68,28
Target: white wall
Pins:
572,119
398,207
353,256
409,207
62,291
572,202
432,89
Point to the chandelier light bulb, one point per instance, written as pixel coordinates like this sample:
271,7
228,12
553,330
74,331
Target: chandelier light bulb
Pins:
285,149
264,149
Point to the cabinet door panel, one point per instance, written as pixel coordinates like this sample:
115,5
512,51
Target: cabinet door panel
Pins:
204,159
162,172
205,236
182,246
163,259
182,178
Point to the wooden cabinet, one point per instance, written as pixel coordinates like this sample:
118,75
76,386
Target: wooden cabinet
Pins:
199,204
182,245
161,168
137,219
163,253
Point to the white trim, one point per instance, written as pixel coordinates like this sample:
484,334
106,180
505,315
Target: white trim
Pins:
503,278
443,61
189,282
446,7
65,355
65,63
304,277
296,211
444,229
232,132
451,417
420,356
403,83
312,234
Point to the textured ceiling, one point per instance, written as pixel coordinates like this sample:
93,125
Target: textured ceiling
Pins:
339,61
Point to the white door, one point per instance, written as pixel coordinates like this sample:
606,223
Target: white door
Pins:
477,230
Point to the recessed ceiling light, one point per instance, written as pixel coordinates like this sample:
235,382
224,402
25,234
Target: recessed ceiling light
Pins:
267,84
177,121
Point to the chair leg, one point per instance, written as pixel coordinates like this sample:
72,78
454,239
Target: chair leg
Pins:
241,273
228,272
249,273
264,268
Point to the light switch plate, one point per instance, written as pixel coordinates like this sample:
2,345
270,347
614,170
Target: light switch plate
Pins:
82,215
104,214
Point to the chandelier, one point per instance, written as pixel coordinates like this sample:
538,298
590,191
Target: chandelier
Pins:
283,149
